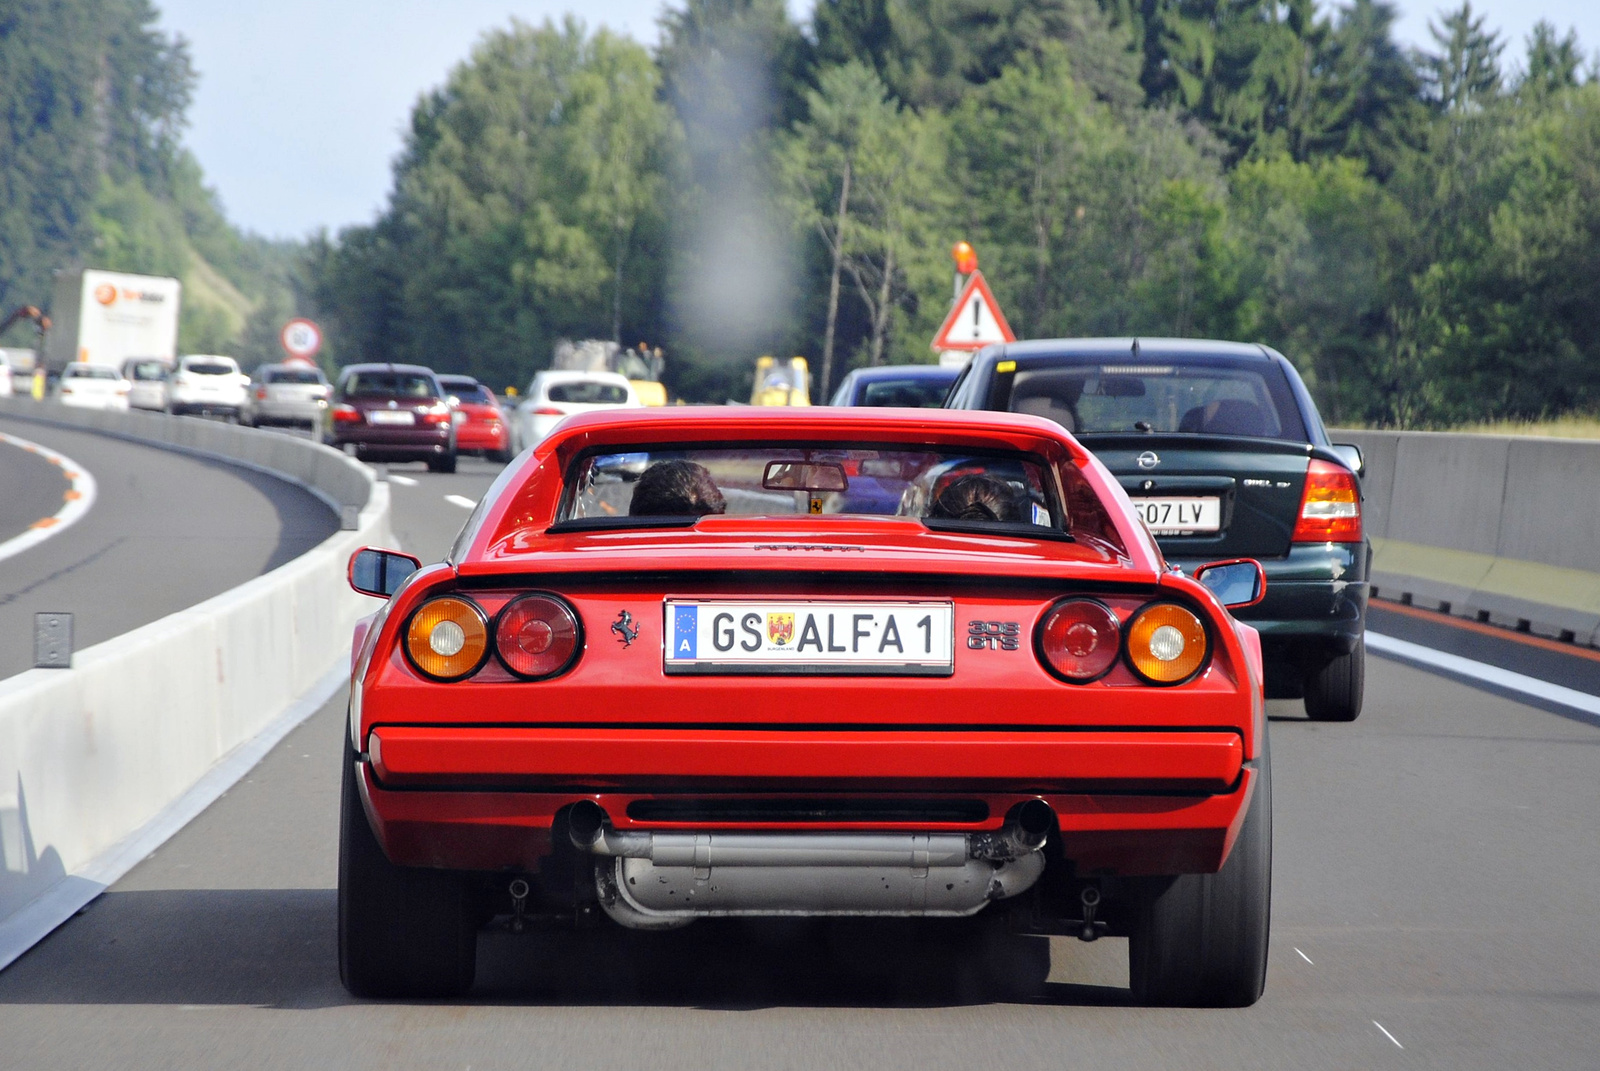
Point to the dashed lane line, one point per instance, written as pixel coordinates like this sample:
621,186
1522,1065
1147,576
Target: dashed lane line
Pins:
75,502
403,481
461,500
1587,706
1388,1035
1303,956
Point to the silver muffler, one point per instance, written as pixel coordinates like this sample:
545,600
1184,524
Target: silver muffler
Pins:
650,880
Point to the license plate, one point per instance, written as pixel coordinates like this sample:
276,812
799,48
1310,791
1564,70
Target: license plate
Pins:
839,638
391,416
1180,516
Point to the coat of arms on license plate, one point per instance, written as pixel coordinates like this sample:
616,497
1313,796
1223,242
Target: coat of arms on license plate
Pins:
780,628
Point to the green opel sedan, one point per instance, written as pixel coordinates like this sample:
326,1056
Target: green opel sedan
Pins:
1224,455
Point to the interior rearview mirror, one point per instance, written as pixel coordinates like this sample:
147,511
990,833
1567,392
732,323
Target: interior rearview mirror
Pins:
381,572
804,476
1351,454
1237,583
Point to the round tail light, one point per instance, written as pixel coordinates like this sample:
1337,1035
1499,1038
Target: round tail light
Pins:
447,638
1166,643
1079,640
537,636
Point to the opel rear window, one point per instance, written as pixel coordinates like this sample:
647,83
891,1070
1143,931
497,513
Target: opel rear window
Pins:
1210,397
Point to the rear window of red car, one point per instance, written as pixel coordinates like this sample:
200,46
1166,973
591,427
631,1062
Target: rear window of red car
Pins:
999,492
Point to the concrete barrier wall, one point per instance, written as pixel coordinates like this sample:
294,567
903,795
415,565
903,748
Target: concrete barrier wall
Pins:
91,754
1501,528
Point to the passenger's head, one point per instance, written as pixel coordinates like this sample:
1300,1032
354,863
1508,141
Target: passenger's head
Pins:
675,489
977,498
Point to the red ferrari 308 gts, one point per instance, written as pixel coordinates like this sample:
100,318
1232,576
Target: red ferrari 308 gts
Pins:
713,662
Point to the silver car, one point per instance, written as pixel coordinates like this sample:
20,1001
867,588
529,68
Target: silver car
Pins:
285,394
148,375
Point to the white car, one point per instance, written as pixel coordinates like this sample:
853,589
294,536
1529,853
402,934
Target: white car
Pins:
149,378
554,396
92,386
206,383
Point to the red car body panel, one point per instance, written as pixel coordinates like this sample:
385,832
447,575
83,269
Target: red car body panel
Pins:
483,429
472,775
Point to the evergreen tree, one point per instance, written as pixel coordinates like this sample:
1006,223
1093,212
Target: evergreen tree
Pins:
1464,74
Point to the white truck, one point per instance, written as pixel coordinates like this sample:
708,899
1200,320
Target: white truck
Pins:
105,317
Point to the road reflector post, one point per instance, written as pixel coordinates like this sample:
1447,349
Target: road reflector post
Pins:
52,641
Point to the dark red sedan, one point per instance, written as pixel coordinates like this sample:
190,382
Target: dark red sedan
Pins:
481,426
392,412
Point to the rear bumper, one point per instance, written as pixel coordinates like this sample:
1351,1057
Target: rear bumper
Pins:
298,412
1101,834
415,443
423,757
1127,803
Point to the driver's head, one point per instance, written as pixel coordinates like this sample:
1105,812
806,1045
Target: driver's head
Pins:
676,489
977,498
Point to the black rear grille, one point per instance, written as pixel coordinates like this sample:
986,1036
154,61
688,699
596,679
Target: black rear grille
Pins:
807,810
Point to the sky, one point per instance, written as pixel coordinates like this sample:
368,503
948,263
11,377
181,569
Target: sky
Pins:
302,104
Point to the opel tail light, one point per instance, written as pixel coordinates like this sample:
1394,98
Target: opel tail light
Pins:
1330,508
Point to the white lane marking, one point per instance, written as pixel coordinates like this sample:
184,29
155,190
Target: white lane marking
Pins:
403,481
1482,671
1388,1035
459,500
76,502
1303,956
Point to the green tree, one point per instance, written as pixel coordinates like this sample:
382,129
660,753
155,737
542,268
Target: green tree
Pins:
1554,62
527,206
1464,74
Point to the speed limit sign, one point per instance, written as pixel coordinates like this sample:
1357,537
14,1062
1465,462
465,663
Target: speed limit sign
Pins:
301,338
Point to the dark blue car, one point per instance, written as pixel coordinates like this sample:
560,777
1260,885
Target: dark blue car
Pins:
901,386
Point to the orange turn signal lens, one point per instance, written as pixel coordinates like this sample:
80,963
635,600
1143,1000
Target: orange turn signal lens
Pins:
1167,644
447,638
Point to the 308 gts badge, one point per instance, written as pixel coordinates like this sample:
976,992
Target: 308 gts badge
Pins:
625,629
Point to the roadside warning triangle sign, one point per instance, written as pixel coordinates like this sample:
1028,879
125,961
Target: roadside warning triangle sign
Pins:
975,320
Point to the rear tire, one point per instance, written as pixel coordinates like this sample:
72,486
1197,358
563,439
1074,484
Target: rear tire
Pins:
445,463
1200,940
1335,691
403,931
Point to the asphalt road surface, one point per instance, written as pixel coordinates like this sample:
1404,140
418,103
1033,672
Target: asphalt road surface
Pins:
1434,907
166,531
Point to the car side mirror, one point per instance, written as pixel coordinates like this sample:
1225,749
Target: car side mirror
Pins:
1237,583
380,572
1351,454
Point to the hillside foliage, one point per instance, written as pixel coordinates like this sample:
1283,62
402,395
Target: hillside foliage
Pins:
93,173
1417,229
